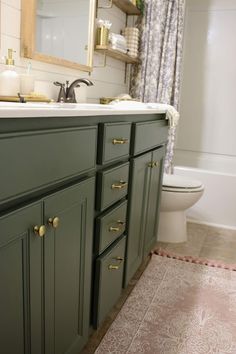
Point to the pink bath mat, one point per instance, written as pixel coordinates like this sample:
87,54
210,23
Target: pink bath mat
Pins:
177,307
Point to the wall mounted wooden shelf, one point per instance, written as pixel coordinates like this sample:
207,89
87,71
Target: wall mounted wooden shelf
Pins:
116,55
127,7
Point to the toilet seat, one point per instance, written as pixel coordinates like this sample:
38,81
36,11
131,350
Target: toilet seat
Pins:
175,183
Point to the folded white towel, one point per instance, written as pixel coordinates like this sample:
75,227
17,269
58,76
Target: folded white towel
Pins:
171,113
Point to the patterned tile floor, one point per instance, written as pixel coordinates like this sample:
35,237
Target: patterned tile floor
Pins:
206,242
203,241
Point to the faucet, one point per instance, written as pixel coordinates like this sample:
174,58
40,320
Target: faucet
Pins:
70,90
68,95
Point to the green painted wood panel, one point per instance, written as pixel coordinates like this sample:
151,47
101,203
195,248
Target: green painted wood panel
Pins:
68,260
138,193
153,201
21,277
108,282
148,135
37,159
107,151
106,195
104,235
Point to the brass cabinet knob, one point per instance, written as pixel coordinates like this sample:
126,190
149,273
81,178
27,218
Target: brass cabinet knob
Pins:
115,229
54,222
120,141
40,230
153,164
119,185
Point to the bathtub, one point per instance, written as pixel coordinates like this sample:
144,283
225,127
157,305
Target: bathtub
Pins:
217,207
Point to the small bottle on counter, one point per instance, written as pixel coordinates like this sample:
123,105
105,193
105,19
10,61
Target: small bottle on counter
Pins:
9,79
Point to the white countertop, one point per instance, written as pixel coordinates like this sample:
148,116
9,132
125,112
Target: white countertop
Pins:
29,110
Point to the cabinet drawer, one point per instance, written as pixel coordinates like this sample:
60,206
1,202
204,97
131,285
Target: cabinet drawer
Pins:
37,159
112,185
147,135
114,141
110,226
108,280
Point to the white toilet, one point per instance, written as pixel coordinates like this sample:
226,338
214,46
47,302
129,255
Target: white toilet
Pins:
178,194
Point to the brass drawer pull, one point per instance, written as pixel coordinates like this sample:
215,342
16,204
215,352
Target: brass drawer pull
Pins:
120,141
116,267
120,222
156,164
113,267
115,229
54,222
119,185
40,230
119,259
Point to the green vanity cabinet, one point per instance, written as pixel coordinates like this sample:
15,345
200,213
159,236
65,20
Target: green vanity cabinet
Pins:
143,208
68,262
21,277
153,200
45,274
79,205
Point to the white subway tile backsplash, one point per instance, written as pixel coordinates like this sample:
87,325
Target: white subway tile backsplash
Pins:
10,21
13,3
10,42
108,80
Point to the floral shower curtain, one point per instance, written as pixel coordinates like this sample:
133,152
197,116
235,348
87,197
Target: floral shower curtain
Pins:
157,78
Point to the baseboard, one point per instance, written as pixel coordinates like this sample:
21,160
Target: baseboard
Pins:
220,226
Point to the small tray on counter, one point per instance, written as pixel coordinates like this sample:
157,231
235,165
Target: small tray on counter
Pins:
26,98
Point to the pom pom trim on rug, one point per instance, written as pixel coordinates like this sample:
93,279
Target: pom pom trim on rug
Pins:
195,260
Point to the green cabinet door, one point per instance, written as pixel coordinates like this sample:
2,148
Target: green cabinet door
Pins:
137,205
21,279
153,200
68,259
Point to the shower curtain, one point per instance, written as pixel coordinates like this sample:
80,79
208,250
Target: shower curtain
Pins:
157,78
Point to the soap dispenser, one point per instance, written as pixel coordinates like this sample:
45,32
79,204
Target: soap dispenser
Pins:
9,79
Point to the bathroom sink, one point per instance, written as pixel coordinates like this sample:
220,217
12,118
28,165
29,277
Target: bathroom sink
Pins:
128,105
43,105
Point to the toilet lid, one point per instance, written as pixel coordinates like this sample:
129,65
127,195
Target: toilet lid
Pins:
175,181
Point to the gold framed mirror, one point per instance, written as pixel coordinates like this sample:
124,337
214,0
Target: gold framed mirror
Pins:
59,32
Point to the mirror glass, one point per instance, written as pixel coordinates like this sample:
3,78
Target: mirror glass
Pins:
59,32
63,29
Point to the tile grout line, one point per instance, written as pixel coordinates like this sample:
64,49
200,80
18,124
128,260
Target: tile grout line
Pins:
154,296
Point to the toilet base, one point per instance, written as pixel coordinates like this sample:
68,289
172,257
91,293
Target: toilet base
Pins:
172,227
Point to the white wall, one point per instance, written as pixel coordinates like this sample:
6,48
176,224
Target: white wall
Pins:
108,81
208,117
206,135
